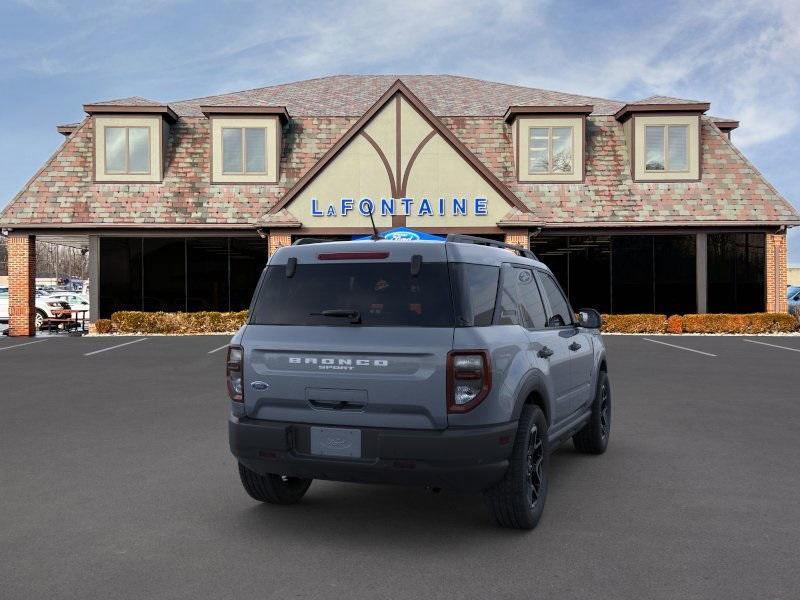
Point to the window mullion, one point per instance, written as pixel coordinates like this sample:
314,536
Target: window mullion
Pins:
549,150
127,151
666,148
244,151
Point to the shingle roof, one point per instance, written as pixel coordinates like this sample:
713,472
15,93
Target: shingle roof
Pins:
63,193
666,100
130,101
352,95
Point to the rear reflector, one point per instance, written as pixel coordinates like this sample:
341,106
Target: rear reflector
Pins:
353,255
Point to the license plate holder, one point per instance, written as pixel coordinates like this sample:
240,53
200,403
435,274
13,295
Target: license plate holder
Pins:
336,441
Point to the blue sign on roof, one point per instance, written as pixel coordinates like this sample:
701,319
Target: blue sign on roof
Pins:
403,234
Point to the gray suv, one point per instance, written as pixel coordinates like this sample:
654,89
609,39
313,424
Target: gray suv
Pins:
455,365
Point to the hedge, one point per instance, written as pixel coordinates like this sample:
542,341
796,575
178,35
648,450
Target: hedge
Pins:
103,326
223,322
163,322
707,323
639,323
748,323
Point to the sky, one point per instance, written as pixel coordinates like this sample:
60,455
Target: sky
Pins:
739,55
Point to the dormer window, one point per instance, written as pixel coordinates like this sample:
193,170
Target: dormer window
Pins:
666,148
244,150
130,140
548,142
245,143
663,138
127,150
550,150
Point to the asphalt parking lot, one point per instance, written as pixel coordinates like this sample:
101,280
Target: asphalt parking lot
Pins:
116,482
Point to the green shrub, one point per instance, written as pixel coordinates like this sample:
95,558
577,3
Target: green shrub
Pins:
163,322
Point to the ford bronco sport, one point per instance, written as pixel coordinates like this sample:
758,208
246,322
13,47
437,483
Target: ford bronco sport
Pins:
451,365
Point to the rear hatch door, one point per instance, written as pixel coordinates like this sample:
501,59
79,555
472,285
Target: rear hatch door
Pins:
351,342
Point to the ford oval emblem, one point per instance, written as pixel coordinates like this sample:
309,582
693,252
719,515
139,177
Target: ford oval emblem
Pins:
402,236
259,385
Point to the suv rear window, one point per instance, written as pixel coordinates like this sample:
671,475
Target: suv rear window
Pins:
384,294
474,293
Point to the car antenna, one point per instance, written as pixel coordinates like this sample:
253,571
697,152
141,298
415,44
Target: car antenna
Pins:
375,235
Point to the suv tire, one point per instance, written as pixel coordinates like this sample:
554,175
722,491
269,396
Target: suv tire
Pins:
593,438
517,501
273,489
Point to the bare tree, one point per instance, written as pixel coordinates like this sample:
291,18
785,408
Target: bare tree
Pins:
52,260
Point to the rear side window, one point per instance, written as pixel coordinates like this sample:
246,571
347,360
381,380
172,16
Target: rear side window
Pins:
384,294
520,300
508,300
474,293
532,308
559,307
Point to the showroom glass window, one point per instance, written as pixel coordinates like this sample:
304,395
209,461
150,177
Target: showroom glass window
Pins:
127,150
666,148
179,274
550,150
736,272
244,150
624,274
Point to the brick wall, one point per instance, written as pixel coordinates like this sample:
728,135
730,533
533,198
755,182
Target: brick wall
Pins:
776,273
277,239
21,284
518,237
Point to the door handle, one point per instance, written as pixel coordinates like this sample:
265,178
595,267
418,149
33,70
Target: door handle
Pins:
574,346
545,352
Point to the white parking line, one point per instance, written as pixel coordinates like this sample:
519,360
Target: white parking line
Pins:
680,347
114,347
20,345
772,345
218,349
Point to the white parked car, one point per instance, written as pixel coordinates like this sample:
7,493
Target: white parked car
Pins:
75,300
46,307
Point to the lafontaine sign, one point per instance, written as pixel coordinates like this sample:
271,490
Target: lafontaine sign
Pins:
422,207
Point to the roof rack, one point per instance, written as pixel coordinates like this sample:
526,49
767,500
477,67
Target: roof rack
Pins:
305,241
471,239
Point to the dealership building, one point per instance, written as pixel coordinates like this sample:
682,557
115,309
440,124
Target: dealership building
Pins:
640,206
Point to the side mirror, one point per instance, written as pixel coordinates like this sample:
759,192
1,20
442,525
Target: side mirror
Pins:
590,318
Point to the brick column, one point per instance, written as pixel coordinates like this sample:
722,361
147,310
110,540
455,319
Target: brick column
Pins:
277,239
518,237
21,284
775,273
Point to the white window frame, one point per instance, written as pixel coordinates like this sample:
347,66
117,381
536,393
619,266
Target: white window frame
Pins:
244,171
127,129
665,148
550,129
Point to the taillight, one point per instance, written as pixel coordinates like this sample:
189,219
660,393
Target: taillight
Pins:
469,379
233,372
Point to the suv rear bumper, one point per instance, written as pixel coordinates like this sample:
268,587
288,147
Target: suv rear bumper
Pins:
467,459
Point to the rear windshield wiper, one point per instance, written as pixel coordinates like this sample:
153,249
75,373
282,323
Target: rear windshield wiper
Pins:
342,313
